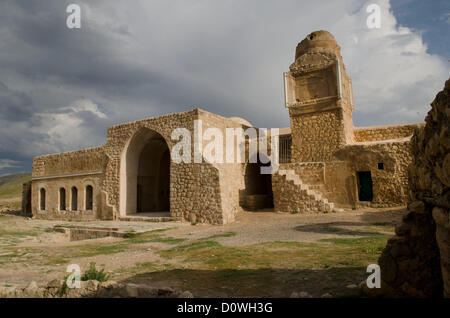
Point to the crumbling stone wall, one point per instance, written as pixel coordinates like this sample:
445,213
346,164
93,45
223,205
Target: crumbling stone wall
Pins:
60,164
378,133
26,199
416,262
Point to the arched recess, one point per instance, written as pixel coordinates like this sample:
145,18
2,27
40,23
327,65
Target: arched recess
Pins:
258,186
145,174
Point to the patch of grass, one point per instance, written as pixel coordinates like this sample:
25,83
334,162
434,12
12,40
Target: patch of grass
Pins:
151,236
382,224
226,234
92,250
6,232
62,291
341,253
56,260
368,245
168,240
94,274
200,245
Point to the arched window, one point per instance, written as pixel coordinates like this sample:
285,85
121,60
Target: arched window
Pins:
74,205
62,199
42,199
89,197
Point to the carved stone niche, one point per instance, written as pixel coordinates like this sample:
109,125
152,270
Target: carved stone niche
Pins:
315,85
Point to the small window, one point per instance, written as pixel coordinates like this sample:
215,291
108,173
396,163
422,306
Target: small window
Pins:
42,199
62,199
380,166
89,197
74,205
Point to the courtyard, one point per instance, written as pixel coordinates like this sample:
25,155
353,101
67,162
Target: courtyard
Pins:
261,254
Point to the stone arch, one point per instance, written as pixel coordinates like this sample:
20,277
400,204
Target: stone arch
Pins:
74,199
42,199
62,199
89,197
145,174
258,186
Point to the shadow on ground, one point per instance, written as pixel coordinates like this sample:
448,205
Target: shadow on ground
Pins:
362,228
265,282
338,228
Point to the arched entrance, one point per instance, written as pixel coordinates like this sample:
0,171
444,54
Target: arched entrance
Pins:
258,186
145,174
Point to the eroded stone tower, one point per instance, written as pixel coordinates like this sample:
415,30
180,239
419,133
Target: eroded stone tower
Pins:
319,97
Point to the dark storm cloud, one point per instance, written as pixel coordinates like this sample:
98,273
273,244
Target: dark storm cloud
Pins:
61,88
15,105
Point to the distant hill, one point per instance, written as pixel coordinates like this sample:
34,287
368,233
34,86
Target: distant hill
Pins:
11,185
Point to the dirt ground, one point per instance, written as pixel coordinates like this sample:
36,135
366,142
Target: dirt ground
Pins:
262,254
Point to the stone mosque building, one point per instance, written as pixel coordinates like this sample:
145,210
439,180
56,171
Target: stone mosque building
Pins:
325,163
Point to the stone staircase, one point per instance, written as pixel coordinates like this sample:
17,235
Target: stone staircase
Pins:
304,197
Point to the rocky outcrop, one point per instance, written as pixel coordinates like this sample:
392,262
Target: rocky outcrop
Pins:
416,262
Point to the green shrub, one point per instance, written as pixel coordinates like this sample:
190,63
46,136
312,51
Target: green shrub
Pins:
93,274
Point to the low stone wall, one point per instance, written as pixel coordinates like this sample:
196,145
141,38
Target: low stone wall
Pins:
378,133
26,199
416,262
91,289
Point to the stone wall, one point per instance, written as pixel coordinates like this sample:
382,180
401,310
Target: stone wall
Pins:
316,136
377,133
389,181
26,199
91,289
340,184
288,196
52,187
416,262
66,163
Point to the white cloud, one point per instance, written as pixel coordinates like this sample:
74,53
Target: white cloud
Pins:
69,127
394,78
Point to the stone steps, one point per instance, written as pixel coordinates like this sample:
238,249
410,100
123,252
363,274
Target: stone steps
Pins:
310,191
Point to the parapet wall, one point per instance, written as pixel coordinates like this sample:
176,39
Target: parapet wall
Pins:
378,133
73,162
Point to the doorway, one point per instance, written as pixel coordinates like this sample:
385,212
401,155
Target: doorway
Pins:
365,186
258,186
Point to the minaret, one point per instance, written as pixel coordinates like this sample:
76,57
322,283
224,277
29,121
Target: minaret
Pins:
318,94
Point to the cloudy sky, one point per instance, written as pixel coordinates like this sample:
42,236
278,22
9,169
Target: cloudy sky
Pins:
60,88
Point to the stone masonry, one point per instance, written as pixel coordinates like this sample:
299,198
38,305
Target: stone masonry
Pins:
327,163
416,262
